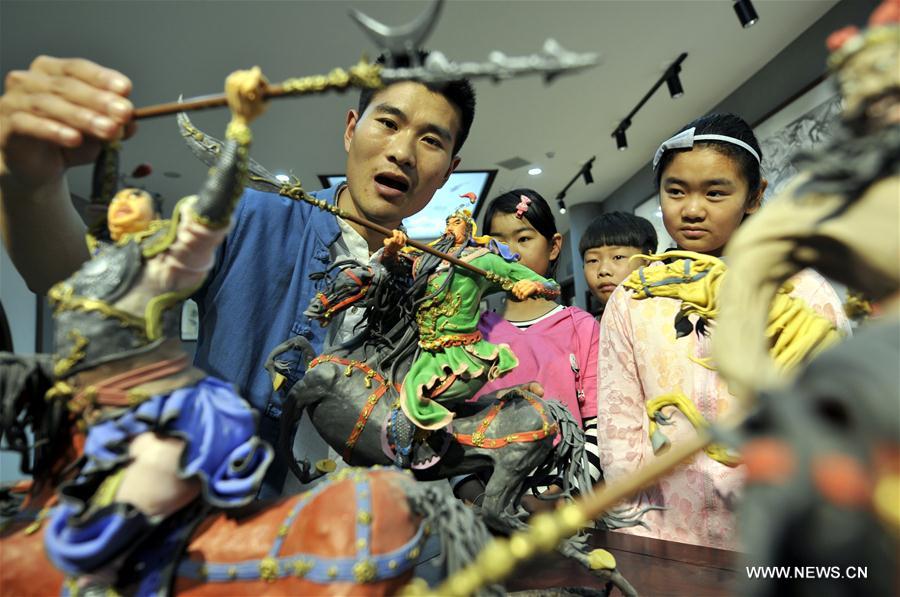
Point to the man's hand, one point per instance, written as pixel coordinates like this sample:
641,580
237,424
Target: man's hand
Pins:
534,387
245,90
525,288
394,243
56,115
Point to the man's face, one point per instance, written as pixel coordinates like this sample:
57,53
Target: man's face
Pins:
399,151
131,210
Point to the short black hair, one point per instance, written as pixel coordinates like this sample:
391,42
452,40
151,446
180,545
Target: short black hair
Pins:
459,93
619,229
729,125
538,214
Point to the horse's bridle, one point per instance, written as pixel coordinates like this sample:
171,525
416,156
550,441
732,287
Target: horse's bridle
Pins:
371,401
330,309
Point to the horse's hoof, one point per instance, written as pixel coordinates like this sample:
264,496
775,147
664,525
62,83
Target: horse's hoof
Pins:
600,559
326,465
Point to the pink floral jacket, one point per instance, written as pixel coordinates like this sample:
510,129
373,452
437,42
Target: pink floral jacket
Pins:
641,359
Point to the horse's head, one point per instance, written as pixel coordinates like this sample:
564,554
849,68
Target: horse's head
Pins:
41,431
346,287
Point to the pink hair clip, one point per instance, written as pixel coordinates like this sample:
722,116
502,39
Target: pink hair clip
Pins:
522,207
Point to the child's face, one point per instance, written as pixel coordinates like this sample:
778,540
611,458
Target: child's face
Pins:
535,251
606,267
704,197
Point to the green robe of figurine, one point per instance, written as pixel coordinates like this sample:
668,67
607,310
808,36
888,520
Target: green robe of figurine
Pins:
454,361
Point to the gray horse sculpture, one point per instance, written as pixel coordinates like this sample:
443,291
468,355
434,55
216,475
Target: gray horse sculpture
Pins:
351,395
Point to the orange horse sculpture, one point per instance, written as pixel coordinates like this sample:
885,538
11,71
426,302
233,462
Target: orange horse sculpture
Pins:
359,532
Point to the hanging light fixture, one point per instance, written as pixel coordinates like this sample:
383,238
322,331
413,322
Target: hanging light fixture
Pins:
583,172
559,201
586,171
745,13
621,141
673,81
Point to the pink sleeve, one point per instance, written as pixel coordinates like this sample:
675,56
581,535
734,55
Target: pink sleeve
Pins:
620,429
590,331
821,297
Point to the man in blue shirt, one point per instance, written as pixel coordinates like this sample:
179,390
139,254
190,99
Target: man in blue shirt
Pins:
402,144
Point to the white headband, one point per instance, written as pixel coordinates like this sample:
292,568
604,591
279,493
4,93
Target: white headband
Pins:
686,139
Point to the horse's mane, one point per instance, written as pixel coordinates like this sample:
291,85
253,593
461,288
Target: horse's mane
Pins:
23,383
389,320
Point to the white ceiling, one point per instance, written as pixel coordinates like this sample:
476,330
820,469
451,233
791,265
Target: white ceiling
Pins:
170,48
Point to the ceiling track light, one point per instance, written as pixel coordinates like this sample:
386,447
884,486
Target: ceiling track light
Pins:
583,172
746,13
586,171
673,81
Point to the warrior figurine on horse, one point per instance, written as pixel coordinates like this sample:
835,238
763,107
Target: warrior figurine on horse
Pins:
454,361
160,434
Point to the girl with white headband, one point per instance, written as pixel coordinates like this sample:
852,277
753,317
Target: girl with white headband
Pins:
655,375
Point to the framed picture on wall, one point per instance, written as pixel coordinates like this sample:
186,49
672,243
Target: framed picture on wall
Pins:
806,122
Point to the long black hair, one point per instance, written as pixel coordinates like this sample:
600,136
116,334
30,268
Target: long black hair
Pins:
391,305
24,380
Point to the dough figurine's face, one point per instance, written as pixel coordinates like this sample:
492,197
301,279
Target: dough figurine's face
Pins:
131,210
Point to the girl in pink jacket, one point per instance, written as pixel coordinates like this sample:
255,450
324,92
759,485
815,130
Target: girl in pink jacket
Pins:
709,179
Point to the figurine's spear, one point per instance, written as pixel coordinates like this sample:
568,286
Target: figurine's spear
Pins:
400,47
295,191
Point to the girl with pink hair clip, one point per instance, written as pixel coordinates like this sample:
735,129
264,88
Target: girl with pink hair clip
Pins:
556,345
